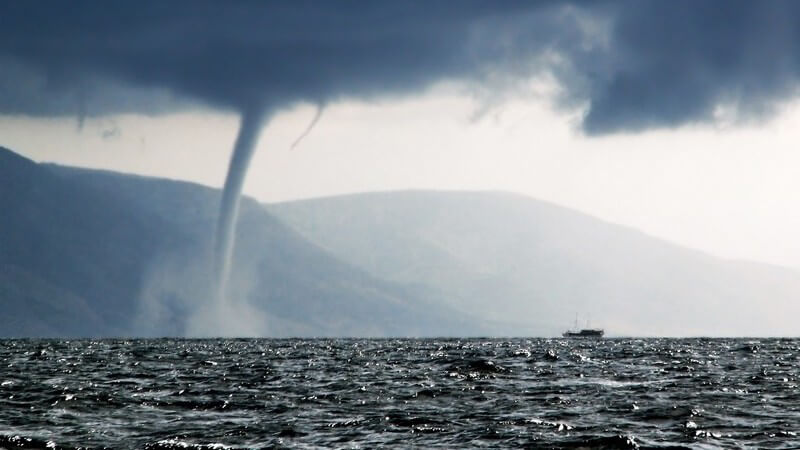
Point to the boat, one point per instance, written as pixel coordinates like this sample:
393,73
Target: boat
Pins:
583,333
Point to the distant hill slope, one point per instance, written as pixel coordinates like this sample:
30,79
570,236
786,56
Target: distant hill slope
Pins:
72,257
91,253
515,259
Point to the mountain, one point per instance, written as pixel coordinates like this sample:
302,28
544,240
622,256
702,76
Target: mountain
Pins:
68,266
533,265
93,253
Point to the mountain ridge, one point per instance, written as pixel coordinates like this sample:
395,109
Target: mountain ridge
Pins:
632,282
139,245
119,254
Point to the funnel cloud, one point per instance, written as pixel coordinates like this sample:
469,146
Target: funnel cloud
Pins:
311,125
249,129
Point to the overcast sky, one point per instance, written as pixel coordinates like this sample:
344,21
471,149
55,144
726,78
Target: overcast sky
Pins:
677,118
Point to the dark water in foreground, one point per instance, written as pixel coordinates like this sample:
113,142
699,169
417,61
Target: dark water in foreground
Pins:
165,394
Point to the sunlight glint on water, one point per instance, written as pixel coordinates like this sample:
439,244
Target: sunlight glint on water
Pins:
429,393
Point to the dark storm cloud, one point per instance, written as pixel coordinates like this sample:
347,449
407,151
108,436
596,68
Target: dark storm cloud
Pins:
58,54
672,62
638,64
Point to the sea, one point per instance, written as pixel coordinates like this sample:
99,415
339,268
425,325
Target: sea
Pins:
400,393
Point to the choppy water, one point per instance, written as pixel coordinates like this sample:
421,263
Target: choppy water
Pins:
163,394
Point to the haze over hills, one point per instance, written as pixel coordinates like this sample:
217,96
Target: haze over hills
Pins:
71,256
515,259
94,253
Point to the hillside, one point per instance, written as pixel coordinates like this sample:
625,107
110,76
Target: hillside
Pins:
72,257
515,259
94,253
91,253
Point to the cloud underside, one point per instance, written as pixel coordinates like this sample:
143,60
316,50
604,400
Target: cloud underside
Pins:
636,64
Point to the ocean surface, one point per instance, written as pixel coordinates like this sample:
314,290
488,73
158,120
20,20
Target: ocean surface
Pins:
353,393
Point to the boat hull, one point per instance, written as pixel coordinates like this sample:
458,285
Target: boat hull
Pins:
584,334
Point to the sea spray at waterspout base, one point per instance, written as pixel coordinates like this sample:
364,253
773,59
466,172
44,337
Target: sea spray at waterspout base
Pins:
249,129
